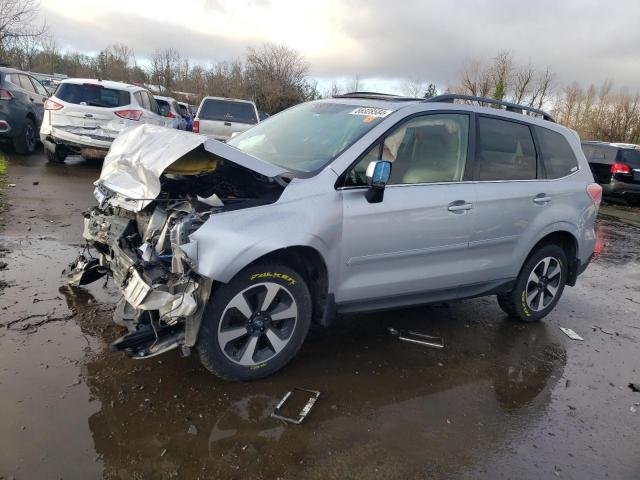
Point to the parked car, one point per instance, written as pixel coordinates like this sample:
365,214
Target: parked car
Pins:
84,116
170,109
357,203
22,99
615,166
187,114
221,118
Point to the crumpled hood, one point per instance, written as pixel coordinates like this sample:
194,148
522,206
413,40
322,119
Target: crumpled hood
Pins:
139,155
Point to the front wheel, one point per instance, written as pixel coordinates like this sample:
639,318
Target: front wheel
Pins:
539,285
255,324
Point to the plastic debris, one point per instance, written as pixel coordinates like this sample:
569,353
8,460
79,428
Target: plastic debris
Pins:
571,334
277,412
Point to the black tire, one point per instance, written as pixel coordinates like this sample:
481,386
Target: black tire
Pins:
252,281
55,156
516,303
26,141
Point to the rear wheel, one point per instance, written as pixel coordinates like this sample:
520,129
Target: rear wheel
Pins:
255,324
26,141
56,155
539,285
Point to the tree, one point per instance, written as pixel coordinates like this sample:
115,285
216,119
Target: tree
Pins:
163,69
17,22
276,77
431,91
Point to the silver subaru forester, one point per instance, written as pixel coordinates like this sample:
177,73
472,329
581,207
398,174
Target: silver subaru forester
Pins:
357,203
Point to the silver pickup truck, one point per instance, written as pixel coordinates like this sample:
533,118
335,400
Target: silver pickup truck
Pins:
220,118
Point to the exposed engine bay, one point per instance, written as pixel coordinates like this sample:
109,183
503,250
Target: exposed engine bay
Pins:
148,253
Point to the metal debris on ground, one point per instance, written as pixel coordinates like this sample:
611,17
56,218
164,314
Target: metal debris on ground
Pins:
635,387
571,334
417,338
606,332
277,412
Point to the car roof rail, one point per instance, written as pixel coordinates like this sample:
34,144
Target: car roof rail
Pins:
509,107
377,96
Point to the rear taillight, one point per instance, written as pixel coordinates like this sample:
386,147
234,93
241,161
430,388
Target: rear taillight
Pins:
129,114
595,192
51,105
196,126
171,115
5,94
620,168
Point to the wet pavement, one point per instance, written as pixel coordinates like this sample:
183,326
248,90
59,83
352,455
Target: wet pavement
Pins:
501,400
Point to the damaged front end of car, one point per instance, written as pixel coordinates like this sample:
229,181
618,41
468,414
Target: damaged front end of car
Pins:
149,203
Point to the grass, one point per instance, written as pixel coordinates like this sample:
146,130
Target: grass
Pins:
3,179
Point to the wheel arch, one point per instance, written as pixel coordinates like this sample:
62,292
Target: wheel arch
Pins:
309,263
568,242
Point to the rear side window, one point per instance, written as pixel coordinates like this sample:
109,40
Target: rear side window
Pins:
505,150
94,95
26,84
227,111
39,87
557,155
183,110
164,107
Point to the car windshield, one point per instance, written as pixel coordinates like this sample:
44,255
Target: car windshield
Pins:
228,111
92,94
309,136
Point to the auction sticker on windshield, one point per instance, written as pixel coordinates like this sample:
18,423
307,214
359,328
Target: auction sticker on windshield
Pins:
371,112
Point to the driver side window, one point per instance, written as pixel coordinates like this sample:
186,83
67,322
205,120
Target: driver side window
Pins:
357,176
425,149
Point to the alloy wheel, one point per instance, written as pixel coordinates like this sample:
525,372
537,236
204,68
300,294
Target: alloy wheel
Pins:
543,283
30,137
257,323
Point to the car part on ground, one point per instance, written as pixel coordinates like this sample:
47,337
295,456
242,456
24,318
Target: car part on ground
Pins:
335,206
571,334
298,419
418,338
84,116
22,99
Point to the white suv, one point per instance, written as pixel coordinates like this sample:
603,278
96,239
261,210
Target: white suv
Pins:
84,116
221,118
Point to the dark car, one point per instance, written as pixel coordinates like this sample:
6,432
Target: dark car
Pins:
615,166
22,99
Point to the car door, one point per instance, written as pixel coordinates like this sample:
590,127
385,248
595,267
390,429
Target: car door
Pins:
414,240
511,193
27,94
39,98
153,112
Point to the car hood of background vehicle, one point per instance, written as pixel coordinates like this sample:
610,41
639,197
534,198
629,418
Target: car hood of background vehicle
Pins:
139,156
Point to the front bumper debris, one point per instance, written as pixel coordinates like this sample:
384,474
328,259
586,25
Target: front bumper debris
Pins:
162,300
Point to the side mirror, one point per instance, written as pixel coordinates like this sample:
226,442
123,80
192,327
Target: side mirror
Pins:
378,174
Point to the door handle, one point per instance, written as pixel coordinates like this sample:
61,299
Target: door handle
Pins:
459,206
541,199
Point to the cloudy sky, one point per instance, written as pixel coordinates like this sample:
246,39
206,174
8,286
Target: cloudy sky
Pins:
383,41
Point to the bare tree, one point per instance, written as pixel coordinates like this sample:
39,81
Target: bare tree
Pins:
17,21
163,67
414,88
276,77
